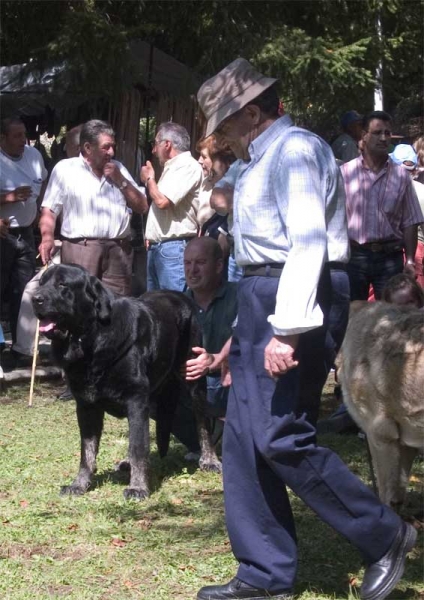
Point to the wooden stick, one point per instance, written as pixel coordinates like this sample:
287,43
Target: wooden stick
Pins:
34,357
34,362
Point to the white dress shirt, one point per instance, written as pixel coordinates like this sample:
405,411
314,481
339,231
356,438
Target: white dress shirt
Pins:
90,207
180,183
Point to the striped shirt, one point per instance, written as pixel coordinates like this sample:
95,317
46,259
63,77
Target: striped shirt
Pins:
289,207
180,182
90,207
379,205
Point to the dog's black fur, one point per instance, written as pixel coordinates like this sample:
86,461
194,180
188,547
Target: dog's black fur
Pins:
120,354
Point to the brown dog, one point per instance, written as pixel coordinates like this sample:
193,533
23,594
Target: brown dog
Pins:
381,371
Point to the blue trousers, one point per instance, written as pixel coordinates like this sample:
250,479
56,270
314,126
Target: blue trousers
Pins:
165,266
267,447
376,268
17,269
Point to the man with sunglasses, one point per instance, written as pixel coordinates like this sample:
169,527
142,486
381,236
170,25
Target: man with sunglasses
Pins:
172,219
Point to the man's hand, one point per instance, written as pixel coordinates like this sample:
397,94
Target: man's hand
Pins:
4,227
199,366
19,194
147,171
111,171
46,249
279,354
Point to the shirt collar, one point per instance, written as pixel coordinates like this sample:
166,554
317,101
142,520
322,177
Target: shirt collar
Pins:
179,157
260,144
367,168
220,292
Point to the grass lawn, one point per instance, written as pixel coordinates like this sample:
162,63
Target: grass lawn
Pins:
100,547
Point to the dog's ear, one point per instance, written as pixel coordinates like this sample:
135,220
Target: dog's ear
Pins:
102,300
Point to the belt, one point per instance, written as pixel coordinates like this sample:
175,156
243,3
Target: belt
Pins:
266,270
335,264
90,239
181,239
386,246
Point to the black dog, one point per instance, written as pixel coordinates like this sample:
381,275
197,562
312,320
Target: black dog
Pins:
119,355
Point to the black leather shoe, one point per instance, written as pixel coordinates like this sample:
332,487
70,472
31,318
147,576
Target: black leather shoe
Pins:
381,577
235,589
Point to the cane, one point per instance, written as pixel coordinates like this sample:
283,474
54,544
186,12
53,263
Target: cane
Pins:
34,358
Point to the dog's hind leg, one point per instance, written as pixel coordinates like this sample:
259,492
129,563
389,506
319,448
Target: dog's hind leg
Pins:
407,455
90,421
208,461
139,448
385,447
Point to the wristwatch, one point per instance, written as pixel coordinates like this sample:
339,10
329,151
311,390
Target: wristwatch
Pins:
123,185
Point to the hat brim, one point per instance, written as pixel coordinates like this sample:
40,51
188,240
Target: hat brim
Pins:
237,103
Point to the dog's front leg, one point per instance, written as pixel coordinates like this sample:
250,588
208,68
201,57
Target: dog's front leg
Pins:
139,448
90,421
208,461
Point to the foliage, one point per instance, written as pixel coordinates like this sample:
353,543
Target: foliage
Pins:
325,51
99,547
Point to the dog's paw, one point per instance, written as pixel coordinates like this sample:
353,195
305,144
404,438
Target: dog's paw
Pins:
72,490
212,466
135,494
123,466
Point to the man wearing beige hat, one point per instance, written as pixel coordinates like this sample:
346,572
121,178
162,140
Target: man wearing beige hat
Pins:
289,231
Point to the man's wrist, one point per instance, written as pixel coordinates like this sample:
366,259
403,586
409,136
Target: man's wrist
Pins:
151,177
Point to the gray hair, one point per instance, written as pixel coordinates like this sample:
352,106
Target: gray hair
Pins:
91,130
174,133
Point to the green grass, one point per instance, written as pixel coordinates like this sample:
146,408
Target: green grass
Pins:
100,547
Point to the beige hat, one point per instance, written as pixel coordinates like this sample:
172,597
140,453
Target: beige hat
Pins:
228,91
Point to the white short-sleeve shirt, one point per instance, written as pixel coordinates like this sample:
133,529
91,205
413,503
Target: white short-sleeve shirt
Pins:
28,170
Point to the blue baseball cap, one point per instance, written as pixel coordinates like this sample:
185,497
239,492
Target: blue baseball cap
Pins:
349,117
404,153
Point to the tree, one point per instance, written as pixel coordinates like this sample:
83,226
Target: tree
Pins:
324,51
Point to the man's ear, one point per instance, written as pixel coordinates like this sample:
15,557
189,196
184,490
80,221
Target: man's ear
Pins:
254,113
86,148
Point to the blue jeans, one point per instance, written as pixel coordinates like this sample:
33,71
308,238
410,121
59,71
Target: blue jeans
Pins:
165,266
376,268
235,273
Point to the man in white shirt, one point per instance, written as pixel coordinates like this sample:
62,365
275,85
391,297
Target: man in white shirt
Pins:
96,196
22,177
172,219
288,228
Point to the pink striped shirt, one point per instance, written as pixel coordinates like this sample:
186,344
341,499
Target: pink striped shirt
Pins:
379,205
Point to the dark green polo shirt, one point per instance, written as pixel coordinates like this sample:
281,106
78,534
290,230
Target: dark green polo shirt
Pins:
219,317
